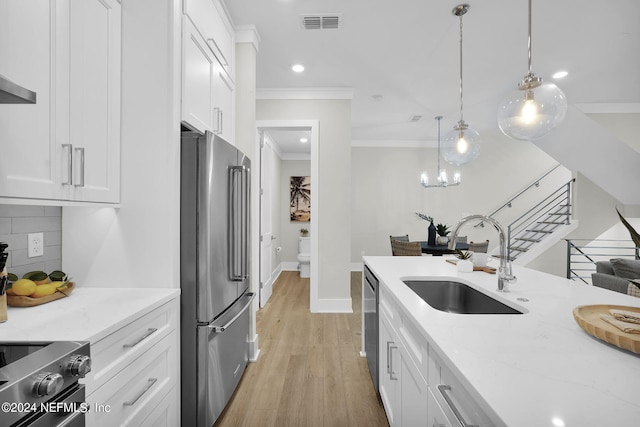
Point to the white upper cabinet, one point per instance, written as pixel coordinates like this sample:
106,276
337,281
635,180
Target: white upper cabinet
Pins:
28,158
208,89
66,146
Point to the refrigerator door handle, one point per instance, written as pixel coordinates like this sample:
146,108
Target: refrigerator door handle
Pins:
248,297
236,226
245,221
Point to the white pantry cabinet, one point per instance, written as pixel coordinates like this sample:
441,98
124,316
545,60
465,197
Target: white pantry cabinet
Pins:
67,145
135,371
208,88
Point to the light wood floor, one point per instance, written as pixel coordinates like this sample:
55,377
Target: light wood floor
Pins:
309,372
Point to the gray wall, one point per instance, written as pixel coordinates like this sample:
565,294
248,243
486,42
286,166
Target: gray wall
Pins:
16,222
386,191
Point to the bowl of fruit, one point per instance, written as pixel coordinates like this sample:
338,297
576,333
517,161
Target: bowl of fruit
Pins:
38,287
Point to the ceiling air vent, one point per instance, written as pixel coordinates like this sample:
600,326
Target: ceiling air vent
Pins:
321,22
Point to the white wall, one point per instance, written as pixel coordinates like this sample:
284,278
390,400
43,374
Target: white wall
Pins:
333,200
386,191
138,244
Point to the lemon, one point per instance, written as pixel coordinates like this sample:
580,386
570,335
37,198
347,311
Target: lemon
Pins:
24,287
43,290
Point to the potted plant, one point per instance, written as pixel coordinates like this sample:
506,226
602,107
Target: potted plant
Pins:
443,233
304,232
464,263
431,236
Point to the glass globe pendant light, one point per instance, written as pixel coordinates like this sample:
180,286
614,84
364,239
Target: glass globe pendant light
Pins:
534,109
462,144
443,179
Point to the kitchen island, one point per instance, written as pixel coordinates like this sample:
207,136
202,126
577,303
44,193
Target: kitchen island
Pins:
533,369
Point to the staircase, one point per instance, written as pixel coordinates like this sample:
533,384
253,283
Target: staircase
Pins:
540,222
542,225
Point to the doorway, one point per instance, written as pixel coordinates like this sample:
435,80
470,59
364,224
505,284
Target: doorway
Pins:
277,141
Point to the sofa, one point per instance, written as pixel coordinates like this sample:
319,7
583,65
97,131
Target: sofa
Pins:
619,275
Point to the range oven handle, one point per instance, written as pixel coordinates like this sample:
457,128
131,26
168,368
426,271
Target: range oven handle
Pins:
221,328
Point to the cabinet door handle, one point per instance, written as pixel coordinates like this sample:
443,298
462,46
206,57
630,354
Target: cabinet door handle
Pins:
81,151
218,114
139,340
443,389
391,373
69,149
150,383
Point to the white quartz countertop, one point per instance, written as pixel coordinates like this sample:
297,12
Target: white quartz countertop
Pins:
88,314
535,369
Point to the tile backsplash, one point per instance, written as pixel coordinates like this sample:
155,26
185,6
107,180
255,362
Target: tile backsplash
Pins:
16,222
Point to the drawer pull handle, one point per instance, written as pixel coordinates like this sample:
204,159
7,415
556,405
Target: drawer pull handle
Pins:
150,383
443,388
139,340
391,372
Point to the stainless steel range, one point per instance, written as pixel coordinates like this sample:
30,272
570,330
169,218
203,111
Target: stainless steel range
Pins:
39,383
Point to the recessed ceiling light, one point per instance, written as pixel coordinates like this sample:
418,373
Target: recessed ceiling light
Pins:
560,74
297,68
304,140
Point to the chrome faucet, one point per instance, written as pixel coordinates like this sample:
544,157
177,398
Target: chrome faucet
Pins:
504,272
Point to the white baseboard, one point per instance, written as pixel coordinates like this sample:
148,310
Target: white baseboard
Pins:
357,266
254,350
334,306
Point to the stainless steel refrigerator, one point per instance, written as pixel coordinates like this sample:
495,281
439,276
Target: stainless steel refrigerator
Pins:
214,274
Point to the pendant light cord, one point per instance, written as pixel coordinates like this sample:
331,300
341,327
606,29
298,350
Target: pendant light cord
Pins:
438,118
529,39
461,116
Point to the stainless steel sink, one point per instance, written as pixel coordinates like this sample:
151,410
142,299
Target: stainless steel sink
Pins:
456,297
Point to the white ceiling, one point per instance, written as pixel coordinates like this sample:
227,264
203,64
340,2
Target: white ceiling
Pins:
407,51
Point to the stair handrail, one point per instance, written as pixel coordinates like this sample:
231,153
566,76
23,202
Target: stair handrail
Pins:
590,259
536,183
545,206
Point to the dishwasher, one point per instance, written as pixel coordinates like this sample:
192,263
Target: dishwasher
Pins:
370,309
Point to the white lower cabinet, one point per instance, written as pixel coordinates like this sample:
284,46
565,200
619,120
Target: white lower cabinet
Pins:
416,387
134,378
436,416
403,388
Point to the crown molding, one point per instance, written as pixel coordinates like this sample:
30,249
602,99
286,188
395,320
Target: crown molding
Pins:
305,93
393,143
248,34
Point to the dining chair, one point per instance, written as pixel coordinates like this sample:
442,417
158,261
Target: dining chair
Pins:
402,248
479,247
461,239
404,238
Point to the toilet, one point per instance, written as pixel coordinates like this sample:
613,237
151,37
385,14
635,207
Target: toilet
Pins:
304,256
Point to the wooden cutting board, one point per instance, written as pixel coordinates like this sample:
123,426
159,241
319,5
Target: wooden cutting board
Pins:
588,317
22,301
487,269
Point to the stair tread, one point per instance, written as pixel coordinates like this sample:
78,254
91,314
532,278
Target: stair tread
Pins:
540,231
526,239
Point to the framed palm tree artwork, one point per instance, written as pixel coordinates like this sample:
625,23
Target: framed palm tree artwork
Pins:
300,200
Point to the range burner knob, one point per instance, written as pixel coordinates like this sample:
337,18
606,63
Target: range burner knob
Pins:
79,365
47,384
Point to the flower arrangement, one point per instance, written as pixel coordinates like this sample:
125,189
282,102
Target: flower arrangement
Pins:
424,217
442,230
463,254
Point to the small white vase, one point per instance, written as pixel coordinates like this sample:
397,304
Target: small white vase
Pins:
442,240
465,266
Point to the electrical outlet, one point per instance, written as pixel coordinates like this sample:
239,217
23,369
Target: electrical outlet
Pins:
35,244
